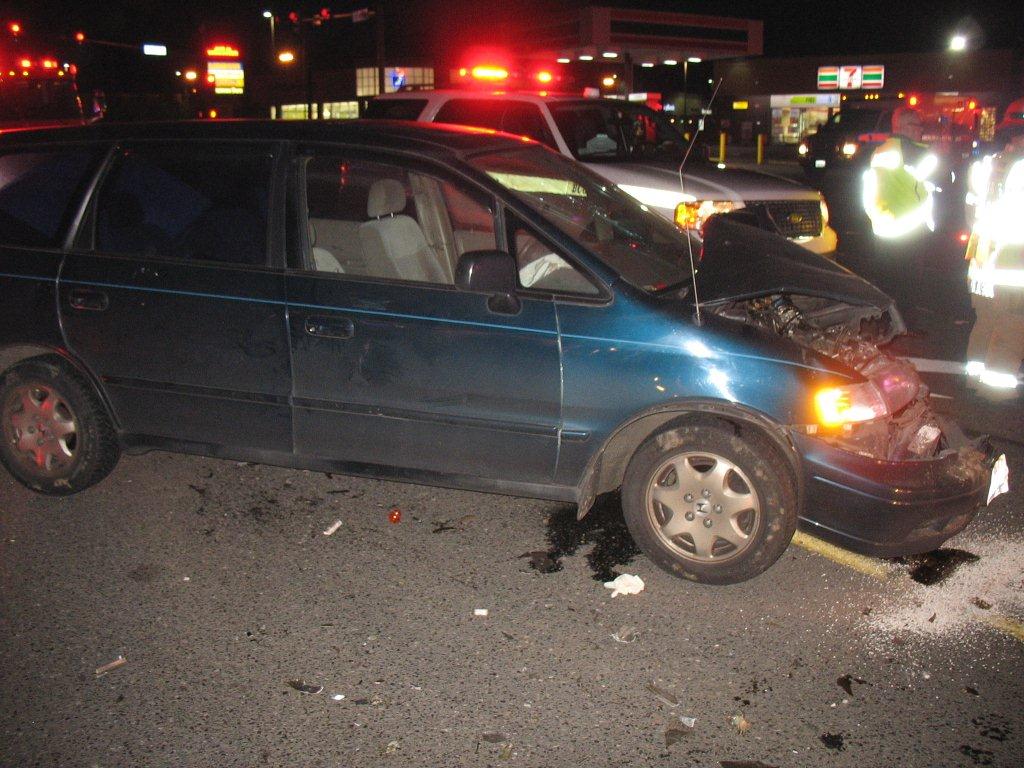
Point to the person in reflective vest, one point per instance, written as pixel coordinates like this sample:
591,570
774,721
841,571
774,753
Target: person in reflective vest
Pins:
996,272
897,193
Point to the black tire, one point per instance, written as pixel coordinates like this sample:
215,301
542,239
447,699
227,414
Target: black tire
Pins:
755,511
73,447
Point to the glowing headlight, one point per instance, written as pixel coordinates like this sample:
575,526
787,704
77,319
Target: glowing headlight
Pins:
824,213
849,149
845,405
803,149
693,215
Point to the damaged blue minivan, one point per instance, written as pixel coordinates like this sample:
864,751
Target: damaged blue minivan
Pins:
459,308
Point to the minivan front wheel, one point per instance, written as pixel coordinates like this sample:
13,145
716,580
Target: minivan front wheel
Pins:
57,436
710,504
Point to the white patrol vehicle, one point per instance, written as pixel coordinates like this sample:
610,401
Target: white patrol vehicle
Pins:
631,145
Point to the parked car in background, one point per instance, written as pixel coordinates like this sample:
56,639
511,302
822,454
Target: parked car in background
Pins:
458,308
632,146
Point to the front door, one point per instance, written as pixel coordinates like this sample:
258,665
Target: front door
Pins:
394,366
169,297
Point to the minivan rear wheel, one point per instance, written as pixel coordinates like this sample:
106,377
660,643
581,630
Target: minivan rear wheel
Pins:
57,436
710,503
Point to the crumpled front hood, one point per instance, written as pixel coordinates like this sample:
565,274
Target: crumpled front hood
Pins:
741,262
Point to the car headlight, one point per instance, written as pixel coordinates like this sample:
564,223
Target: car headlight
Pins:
803,149
692,215
836,406
849,149
824,213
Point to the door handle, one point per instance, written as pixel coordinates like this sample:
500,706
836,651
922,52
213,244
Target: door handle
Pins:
83,298
332,328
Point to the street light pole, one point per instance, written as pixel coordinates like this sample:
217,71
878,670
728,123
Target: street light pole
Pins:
686,72
273,43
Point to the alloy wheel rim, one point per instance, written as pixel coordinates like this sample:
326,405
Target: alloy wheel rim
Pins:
703,507
41,429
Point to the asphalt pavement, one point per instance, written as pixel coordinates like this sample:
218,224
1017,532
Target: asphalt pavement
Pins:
216,584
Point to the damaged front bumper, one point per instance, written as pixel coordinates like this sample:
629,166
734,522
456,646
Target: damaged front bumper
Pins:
891,508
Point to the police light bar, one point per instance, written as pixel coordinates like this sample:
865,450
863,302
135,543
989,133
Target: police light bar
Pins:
491,73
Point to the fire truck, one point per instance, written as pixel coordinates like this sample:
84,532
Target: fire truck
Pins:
37,88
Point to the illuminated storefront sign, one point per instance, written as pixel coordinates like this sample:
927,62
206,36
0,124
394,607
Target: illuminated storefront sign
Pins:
804,100
851,77
228,76
225,69
222,52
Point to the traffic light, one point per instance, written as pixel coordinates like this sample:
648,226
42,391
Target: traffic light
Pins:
15,28
79,37
325,13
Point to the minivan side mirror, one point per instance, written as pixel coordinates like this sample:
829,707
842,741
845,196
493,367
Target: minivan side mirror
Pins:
491,272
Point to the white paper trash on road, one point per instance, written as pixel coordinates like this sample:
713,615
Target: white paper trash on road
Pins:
625,584
1000,483
332,528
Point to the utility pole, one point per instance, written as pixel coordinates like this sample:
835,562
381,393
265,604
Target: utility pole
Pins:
378,23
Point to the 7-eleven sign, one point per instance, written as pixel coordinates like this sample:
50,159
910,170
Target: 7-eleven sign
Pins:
828,78
849,77
873,77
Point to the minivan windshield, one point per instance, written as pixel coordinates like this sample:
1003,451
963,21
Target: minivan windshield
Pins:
618,131
647,251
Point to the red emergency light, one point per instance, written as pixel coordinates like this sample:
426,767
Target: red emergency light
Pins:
544,76
49,64
972,104
913,101
25,63
488,72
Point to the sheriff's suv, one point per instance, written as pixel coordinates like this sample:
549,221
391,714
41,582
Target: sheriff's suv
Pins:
632,146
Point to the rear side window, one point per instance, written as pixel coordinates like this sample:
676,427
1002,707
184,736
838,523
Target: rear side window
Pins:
395,109
204,202
525,119
37,190
479,113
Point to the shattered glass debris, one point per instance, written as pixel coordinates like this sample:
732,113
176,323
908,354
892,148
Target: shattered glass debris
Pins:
303,687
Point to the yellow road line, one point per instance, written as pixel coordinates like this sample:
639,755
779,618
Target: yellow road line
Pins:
1008,626
871,567
866,565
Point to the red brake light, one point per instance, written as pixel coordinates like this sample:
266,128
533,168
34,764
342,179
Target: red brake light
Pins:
25,63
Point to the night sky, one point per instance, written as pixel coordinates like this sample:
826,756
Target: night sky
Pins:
791,28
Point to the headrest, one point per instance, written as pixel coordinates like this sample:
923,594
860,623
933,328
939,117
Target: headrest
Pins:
387,196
